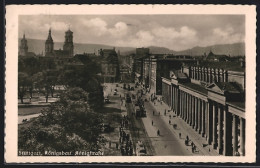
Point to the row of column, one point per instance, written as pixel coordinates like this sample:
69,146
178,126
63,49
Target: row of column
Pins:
224,130
193,111
208,74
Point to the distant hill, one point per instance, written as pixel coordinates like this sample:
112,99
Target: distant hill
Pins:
37,46
236,49
161,50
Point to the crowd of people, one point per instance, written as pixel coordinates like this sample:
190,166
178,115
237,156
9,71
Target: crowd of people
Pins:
126,145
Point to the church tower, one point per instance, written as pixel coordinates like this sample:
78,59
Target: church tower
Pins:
23,50
49,45
68,44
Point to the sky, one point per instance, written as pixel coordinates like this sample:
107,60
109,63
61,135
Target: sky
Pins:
176,32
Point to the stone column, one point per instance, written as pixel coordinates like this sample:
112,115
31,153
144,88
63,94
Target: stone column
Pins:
175,93
227,146
172,100
181,103
220,130
192,111
202,118
186,107
242,136
173,97
196,114
199,115
234,134
209,133
214,112
206,74
176,100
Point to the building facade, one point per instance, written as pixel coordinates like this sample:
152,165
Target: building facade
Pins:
210,104
23,49
68,43
110,66
49,45
68,47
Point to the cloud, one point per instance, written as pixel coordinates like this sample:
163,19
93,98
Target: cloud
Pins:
59,26
138,31
226,35
100,27
120,29
172,33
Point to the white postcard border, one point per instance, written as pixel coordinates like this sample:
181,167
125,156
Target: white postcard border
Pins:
11,115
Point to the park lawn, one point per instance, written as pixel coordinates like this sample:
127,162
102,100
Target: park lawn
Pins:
30,110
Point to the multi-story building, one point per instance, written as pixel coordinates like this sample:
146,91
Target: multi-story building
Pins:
141,54
211,100
157,66
109,65
68,47
23,48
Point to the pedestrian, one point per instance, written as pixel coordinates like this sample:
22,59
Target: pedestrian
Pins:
153,112
169,121
180,135
152,122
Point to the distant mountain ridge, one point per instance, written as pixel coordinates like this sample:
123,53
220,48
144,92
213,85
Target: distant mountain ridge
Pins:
236,49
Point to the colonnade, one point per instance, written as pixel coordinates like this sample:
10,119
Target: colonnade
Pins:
223,130
208,74
193,111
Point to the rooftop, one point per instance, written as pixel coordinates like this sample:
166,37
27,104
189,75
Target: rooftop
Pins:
196,87
238,104
232,66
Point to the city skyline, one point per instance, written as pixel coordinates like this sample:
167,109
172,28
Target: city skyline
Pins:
183,32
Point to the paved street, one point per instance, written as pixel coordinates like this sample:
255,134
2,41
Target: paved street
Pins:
168,142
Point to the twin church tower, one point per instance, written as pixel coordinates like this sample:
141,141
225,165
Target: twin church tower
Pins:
68,47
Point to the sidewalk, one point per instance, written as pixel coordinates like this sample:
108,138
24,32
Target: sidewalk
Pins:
183,128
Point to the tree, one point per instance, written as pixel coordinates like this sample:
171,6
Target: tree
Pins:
69,125
23,82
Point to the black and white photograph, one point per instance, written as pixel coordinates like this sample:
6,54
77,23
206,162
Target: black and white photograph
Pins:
158,84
